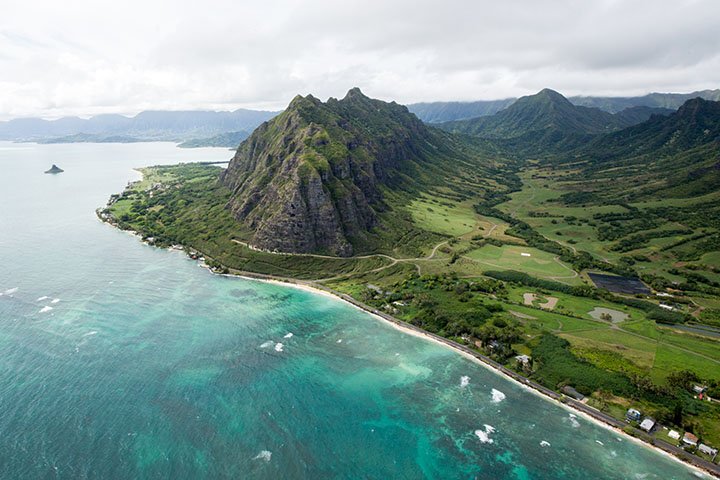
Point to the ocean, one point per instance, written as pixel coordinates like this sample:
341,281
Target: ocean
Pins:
123,361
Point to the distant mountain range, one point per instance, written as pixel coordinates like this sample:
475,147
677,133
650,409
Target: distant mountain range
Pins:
547,122
228,128
439,112
226,140
145,126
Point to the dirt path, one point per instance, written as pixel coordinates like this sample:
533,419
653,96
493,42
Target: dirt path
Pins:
393,261
489,232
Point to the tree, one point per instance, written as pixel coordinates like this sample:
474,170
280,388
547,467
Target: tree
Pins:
682,380
677,417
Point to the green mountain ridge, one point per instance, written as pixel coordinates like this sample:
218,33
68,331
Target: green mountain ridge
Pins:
317,178
441,112
677,155
547,122
546,110
671,101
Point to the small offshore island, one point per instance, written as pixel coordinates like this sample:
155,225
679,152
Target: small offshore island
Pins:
54,170
486,241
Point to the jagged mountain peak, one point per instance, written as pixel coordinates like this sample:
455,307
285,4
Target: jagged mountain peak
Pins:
548,94
310,179
355,94
698,107
546,102
539,122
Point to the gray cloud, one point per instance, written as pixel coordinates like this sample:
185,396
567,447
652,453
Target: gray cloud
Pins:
87,57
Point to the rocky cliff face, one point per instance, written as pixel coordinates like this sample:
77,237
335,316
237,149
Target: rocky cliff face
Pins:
310,179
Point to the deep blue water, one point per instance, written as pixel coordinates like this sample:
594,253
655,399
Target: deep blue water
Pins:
148,366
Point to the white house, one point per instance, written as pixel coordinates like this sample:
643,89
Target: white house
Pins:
707,450
647,424
690,439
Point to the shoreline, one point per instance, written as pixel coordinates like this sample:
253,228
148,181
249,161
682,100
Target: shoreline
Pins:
475,358
694,463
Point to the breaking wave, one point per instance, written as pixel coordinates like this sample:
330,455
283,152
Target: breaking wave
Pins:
573,420
10,291
497,396
265,455
484,435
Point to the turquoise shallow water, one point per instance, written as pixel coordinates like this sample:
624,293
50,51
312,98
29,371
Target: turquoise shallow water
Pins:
148,366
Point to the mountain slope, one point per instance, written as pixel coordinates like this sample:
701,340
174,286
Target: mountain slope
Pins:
318,176
677,155
547,110
671,101
439,112
633,115
539,124
547,123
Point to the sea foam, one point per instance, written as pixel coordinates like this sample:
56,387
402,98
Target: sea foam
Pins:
10,291
497,396
573,420
267,344
45,309
265,455
44,297
464,381
544,443
55,300
278,347
288,335
484,435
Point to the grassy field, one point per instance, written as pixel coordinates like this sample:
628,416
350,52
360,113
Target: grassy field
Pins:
442,216
535,205
526,259
572,305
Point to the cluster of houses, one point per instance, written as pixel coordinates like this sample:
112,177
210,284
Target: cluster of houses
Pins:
688,439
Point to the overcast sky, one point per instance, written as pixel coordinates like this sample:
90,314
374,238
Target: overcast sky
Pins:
84,57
